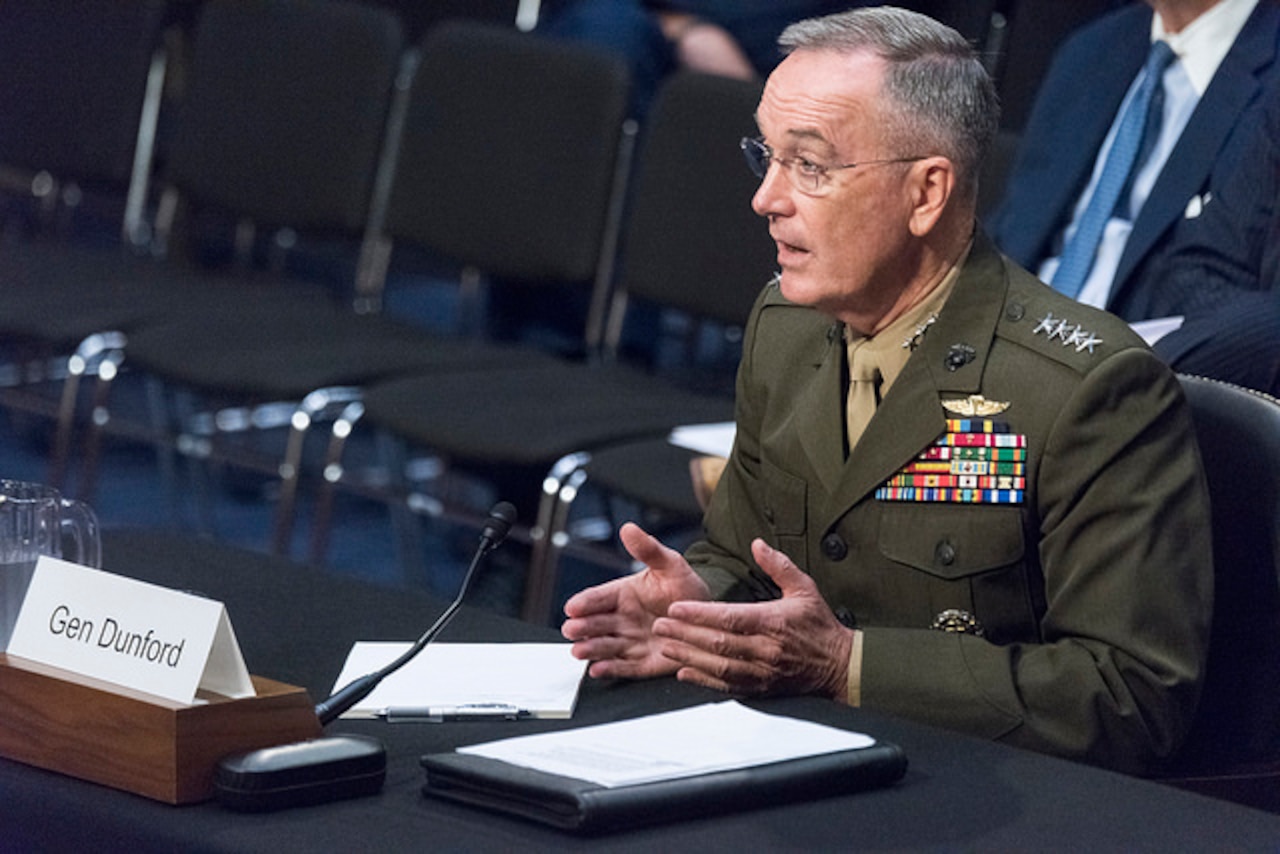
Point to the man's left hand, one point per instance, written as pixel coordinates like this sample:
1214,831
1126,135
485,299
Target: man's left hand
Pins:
791,645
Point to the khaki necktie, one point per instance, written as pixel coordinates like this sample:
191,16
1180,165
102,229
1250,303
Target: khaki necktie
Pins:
864,392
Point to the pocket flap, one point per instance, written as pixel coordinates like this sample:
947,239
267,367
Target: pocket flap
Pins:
950,541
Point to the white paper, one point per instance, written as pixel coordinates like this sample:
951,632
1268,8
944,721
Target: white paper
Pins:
1156,328
129,633
713,439
541,679
699,740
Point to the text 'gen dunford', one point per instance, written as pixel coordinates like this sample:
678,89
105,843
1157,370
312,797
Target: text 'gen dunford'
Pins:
112,637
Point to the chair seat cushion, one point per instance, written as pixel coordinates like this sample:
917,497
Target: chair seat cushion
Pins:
533,415
268,351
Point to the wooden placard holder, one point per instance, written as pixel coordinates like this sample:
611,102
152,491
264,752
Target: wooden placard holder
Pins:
141,743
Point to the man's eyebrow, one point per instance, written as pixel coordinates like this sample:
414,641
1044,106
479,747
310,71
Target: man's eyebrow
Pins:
809,135
804,135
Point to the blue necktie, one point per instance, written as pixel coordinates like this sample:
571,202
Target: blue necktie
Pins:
1122,160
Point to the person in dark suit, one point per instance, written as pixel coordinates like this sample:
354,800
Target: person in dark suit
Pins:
1223,270
952,489
1228,58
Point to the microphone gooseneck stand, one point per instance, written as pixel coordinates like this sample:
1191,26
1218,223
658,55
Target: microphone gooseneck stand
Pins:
336,766
495,530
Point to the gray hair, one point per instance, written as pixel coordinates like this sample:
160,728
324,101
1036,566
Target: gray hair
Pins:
938,97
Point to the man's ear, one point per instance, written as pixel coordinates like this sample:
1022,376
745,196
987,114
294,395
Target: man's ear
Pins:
932,182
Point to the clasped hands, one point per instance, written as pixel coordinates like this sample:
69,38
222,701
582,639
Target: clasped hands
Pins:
661,621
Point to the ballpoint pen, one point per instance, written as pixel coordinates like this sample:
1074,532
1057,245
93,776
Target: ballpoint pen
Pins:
463,712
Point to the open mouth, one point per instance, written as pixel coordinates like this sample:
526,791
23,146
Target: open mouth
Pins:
789,250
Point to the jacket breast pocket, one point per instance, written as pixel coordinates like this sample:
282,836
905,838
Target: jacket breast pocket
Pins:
970,558
952,541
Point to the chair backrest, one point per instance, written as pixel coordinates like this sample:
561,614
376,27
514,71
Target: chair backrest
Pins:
692,241
508,157
419,16
72,81
74,89
995,170
972,18
1239,436
284,113
1036,28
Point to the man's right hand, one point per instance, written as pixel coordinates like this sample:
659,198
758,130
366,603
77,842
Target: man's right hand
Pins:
611,624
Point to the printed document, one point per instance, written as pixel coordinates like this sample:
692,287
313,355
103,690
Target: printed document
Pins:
703,739
540,680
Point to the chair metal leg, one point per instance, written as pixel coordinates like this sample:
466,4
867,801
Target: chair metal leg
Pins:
64,429
314,407
559,489
407,506
165,447
100,354
322,519
99,418
195,445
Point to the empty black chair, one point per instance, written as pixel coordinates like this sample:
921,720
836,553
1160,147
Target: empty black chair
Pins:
691,244
64,116
1233,750
971,18
282,119
1034,30
419,16
996,169
650,481
281,129
510,158
76,155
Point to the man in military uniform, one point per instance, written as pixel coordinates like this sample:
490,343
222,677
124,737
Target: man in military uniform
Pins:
954,494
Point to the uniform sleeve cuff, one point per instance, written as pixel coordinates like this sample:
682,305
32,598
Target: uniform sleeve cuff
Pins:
854,684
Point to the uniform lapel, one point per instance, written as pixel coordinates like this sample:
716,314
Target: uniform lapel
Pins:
949,362
818,413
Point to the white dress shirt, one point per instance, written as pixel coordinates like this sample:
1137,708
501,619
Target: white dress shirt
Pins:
1200,48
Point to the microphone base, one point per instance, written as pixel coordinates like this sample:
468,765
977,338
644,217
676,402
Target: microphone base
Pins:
167,751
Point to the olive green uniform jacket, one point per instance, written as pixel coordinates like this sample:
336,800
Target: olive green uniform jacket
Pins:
1093,594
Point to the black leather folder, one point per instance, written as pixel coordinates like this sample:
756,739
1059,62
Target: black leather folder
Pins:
587,807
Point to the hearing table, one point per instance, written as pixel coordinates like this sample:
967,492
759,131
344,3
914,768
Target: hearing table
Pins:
295,624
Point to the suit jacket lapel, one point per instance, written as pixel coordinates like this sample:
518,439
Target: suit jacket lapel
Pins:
1050,175
1233,87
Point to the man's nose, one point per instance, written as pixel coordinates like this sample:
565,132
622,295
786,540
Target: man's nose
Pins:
773,194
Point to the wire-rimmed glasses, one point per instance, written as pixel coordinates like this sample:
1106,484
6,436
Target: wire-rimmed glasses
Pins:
812,179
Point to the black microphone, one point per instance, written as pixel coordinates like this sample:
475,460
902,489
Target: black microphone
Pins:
337,766
495,530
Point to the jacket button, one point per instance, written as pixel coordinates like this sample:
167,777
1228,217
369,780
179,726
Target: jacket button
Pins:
834,547
945,553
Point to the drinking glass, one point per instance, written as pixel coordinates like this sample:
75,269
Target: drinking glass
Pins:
36,520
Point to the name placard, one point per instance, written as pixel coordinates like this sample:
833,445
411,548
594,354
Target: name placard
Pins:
129,633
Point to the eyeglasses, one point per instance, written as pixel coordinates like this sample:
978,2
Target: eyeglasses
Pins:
812,179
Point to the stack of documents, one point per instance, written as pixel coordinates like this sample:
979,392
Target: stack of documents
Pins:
711,758
451,681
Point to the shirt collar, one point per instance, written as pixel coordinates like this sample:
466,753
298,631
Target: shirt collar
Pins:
894,344
1202,44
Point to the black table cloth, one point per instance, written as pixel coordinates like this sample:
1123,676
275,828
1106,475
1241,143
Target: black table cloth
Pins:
296,624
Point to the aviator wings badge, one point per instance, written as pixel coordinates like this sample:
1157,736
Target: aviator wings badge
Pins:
974,405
